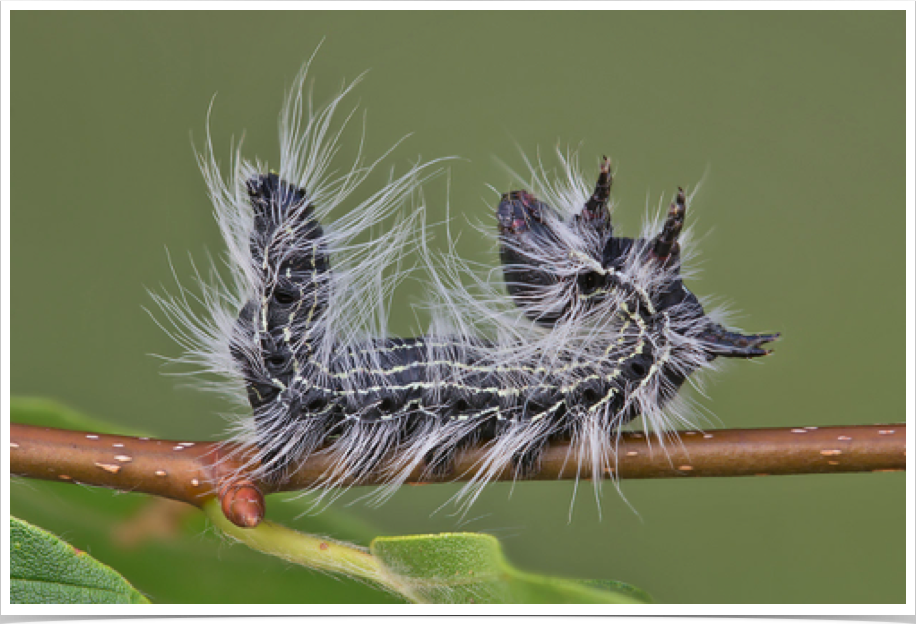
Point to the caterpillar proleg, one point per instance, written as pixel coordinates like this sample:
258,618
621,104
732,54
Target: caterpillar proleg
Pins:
585,332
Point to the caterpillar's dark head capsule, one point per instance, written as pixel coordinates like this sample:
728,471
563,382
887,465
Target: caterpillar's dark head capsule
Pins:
521,218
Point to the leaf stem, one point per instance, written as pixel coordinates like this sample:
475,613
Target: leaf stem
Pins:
318,553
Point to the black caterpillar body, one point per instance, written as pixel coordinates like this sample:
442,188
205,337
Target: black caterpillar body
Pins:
596,330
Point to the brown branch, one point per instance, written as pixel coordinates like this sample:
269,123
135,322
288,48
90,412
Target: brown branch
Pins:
194,472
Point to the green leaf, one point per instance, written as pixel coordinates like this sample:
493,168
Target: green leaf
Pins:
46,570
173,558
444,568
470,567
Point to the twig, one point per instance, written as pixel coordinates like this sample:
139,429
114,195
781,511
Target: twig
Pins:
195,472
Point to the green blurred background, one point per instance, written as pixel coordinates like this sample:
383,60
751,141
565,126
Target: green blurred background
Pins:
798,117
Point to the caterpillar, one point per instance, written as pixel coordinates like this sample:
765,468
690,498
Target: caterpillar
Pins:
585,332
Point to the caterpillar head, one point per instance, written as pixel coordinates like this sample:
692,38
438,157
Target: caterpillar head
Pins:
571,268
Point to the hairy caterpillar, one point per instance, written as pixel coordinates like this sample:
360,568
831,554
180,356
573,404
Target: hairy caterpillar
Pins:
596,330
